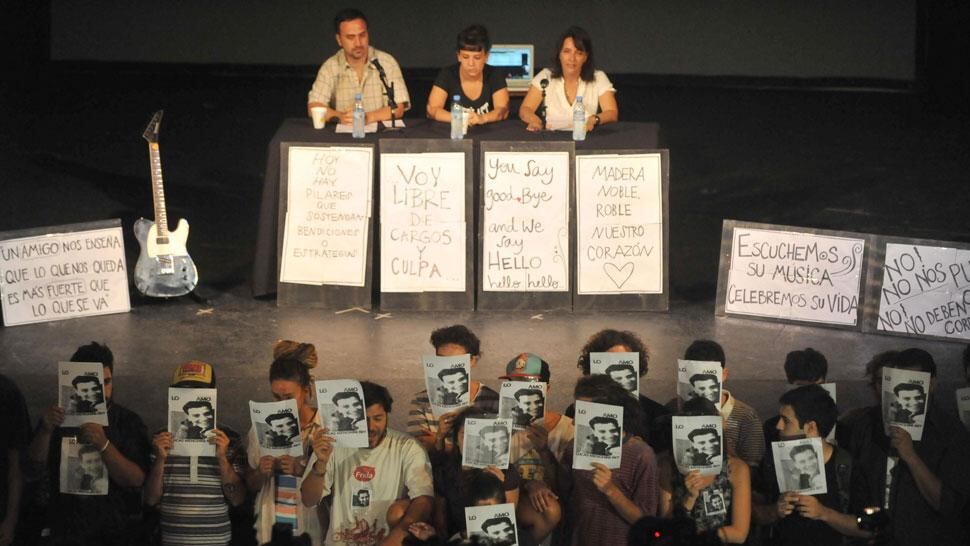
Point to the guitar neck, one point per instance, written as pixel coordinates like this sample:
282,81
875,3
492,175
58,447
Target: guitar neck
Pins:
158,191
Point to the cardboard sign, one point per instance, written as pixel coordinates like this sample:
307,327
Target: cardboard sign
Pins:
277,426
423,222
328,215
624,368
800,466
80,391
698,443
192,420
599,435
487,442
63,274
343,411
793,275
522,402
619,224
905,399
525,202
925,291
492,524
448,381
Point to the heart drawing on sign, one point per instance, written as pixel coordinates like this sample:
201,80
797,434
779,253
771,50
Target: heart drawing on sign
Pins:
619,275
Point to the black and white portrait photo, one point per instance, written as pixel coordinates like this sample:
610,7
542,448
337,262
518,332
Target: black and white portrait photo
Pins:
277,427
342,408
699,379
83,472
349,412
486,442
524,402
493,524
698,443
81,392
624,368
448,381
361,498
905,397
599,435
800,466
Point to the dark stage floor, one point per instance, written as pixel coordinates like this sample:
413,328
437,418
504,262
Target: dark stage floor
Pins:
71,151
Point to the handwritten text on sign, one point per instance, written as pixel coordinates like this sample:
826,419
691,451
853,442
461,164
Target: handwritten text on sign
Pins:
619,218
328,214
65,275
423,222
526,220
794,276
925,291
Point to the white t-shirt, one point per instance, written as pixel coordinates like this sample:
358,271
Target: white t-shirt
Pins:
559,111
365,482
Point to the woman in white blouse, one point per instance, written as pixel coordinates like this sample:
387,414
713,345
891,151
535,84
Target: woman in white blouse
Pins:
573,73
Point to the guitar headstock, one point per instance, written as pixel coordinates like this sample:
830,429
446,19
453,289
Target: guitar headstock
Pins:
151,132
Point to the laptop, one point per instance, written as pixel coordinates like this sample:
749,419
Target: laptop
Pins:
516,61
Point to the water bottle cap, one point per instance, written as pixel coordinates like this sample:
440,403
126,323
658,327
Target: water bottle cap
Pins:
579,98
357,96
456,98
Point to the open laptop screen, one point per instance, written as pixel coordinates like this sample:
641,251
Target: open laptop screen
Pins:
515,61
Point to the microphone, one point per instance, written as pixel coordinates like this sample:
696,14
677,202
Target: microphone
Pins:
377,65
542,106
543,84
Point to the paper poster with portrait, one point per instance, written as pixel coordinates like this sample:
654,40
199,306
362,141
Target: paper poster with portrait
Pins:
493,524
963,405
698,378
624,368
80,391
905,398
698,443
192,421
800,466
522,402
486,443
599,435
83,472
448,380
277,426
343,411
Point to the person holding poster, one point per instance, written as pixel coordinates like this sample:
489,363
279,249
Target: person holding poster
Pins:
394,469
797,518
617,341
603,502
196,509
433,432
275,479
536,451
482,88
743,432
14,439
718,504
123,447
923,487
449,483
573,73
357,68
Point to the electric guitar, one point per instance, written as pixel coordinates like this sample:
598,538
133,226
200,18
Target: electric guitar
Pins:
164,267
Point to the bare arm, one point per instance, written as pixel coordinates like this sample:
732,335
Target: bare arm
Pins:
436,107
609,111
527,110
121,470
740,475
603,480
418,510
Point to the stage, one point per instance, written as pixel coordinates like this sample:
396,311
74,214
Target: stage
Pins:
71,151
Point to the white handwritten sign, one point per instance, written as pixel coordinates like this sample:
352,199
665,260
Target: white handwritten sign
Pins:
423,222
525,244
794,276
63,275
925,291
328,215
619,230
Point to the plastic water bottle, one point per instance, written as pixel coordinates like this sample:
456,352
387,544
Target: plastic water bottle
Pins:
456,118
358,117
579,119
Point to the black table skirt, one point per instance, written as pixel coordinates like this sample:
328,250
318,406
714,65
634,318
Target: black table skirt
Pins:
615,136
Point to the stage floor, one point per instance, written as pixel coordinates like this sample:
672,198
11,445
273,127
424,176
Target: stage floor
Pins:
71,151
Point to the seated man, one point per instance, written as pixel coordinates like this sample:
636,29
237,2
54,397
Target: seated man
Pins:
432,433
394,469
123,447
357,68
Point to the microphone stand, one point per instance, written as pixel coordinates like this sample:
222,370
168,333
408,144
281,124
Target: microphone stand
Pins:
389,91
542,106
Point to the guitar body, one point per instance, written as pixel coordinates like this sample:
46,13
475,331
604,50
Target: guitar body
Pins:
164,268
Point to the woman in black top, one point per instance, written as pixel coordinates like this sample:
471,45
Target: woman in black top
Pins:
482,88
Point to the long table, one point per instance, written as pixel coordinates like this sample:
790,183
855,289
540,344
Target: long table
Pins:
615,136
